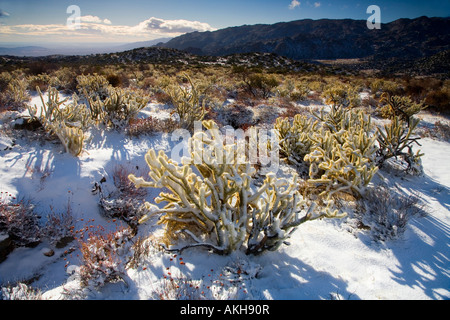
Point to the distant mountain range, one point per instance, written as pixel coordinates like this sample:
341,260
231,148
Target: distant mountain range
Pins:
324,39
70,49
406,46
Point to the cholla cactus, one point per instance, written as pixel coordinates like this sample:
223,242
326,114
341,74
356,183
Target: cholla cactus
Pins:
394,139
343,155
341,95
400,106
342,161
295,138
56,119
17,92
188,104
215,198
122,105
93,86
339,148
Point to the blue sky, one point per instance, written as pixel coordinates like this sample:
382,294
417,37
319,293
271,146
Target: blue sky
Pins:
137,20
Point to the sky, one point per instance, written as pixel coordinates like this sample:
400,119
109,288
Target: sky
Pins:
32,21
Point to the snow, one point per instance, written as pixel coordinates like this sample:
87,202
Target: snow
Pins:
326,259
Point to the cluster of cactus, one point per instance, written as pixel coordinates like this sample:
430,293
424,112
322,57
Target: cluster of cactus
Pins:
341,95
294,137
189,104
64,121
93,85
118,107
338,147
213,198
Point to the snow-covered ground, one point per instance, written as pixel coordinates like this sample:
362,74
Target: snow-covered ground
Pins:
327,259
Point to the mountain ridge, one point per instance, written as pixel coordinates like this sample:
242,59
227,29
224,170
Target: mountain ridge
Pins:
323,39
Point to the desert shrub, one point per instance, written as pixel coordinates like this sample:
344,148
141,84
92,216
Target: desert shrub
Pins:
217,205
42,81
67,79
261,85
439,100
150,125
379,86
102,255
386,213
124,201
13,90
58,229
19,221
20,291
114,80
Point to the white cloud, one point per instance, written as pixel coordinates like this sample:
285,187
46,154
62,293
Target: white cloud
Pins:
317,4
294,4
94,19
93,28
172,26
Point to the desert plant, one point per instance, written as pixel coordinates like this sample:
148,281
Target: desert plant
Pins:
93,86
13,90
341,95
58,227
102,256
386,213
19,221
342,161
396,140
221,202
400,106
188,102
20,291
338,148
56,120
295,137
121,106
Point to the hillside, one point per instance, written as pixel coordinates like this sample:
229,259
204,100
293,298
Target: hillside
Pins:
324,39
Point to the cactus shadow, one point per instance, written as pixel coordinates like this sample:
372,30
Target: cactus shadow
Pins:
284,277
423,253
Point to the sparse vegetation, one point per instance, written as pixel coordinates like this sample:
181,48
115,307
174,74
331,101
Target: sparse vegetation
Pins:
326,134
